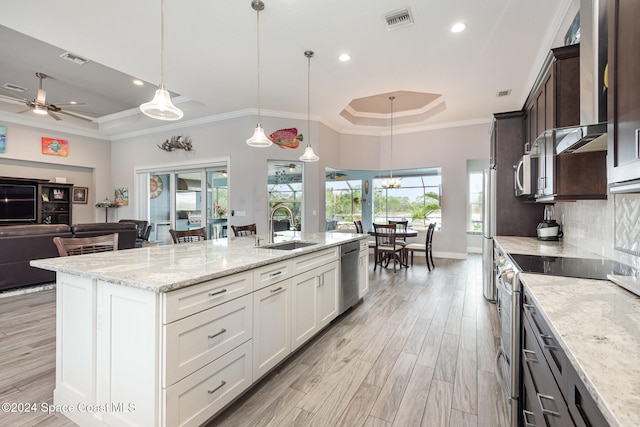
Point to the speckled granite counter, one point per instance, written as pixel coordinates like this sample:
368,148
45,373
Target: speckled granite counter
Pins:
598,326
170,267
533,246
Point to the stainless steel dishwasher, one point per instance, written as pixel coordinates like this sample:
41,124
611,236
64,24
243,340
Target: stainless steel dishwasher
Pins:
349,276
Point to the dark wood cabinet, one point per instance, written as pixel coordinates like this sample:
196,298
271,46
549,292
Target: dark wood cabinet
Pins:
624,91
54,204
554,102
514,216
552,392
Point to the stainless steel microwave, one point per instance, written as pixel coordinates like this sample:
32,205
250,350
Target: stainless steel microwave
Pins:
525,176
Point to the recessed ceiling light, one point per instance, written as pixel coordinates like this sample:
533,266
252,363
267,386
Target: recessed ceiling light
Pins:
138,82
73,102
458,27
344,57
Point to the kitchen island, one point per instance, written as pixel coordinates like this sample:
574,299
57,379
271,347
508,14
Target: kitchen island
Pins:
170,335
597,326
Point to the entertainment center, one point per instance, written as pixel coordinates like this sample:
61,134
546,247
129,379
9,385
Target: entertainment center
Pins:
34,201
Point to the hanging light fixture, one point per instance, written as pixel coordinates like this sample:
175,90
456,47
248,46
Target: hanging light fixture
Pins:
309,156
161,107
259,139
391,183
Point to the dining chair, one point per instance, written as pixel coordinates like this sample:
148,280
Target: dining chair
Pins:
360,230
402,241
426,248
386,246
187,236
244,230
68,246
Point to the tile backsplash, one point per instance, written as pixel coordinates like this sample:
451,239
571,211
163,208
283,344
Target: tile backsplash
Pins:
610,227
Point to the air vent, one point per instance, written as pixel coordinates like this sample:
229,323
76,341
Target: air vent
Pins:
398,19
74,58
504,93
14,88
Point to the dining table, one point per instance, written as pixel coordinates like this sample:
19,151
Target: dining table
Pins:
400,234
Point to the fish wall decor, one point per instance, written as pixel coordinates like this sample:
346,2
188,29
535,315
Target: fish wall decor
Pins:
286,138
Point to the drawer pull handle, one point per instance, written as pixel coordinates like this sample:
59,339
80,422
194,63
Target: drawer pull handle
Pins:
528,306
273,291
219,333
526,355
275,274
222,384
525,416
544,410
544,344
213,294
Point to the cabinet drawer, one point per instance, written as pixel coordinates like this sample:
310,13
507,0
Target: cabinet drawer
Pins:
554,355
548,401
193,299
314,260
582,407
270,274
198,397
193,342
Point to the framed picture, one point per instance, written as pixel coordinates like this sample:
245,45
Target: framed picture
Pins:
55,147
80,194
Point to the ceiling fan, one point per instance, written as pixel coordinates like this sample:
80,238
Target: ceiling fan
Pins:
39,105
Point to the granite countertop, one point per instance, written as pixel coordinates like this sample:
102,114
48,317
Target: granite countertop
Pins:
598,326
170,267
533,246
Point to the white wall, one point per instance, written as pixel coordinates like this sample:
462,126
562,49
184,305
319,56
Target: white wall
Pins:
446,148
87,165
247,168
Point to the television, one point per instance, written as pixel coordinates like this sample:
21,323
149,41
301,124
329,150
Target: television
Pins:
17,203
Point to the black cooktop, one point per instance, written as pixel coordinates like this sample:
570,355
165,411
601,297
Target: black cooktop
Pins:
572,267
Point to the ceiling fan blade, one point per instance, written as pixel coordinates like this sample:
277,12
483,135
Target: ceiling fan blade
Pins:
77,116
42,96
23,111
54,116
71,105
13,100
84,113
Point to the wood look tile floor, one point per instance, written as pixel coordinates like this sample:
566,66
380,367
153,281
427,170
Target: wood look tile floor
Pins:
419,351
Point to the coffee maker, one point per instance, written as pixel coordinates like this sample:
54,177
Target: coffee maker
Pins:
549,229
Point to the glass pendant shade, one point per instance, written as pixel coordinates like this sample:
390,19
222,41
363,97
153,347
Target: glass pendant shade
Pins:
259,139
161,107
309,155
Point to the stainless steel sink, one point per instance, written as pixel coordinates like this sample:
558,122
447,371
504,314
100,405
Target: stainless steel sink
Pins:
288,246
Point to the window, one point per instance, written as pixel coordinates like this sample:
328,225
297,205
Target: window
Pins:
475,212
417,200
284,186
343,203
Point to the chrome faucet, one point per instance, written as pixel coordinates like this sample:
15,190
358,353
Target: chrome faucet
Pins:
270,231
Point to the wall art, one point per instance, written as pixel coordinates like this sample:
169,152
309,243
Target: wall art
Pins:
286,138
3,139
80,195
121,196
55,147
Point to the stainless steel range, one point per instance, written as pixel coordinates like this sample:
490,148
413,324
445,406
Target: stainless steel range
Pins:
508,302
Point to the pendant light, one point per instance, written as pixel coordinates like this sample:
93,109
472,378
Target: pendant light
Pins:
161,107
309,156
392,182
259,139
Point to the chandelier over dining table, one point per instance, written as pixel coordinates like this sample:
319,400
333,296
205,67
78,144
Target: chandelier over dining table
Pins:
391,182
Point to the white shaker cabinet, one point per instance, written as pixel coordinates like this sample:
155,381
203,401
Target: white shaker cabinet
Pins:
271,326
363,265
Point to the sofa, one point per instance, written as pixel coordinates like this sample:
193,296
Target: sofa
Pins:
19,244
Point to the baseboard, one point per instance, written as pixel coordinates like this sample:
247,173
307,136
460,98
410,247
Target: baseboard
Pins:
27,290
